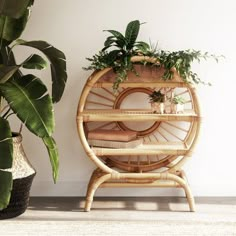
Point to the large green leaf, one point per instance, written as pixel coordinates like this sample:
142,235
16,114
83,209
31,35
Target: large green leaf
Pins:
14,8
119,39
113,55
5,188
28,98
11,29
117,34
58,66
6,72
6,153
131,33
3,55
34,62
53,154
6,146
109,41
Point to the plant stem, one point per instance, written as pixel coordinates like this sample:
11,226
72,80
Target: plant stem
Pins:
3,28
5,115
9,115
4,108
21,127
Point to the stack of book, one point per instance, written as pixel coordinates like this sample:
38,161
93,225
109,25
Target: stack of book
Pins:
113,138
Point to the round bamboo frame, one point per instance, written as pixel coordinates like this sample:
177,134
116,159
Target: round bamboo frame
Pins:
167,154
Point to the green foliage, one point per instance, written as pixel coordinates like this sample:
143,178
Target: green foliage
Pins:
5,188
6,72
29,100
53,154
157,96
181,61
125,46
14,8
118,50
34,62
178,100
11,28
6,145
57,61
6,151
26,96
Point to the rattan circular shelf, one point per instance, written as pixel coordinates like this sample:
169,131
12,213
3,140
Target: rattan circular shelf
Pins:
167,139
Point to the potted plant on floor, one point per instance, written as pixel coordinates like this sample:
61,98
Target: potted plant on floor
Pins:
157,99
27,97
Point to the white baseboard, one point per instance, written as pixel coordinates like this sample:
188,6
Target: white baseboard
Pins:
70,188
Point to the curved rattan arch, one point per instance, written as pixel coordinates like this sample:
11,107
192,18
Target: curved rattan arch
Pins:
117,105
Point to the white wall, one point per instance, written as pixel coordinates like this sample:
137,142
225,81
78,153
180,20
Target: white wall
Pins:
75,27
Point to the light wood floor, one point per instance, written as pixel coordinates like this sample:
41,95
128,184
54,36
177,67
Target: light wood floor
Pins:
162,216
109,208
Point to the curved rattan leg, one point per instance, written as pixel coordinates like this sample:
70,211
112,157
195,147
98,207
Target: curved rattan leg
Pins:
181,179
188,192
96,180
88,202
189,197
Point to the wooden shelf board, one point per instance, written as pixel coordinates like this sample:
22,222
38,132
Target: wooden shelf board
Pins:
145,149
135,115
141,84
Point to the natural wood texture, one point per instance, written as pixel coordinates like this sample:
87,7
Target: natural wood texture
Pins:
136,115
168,139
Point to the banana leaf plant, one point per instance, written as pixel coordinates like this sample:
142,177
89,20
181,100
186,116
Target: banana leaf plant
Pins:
25,95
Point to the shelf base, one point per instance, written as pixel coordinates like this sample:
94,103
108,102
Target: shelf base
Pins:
114,180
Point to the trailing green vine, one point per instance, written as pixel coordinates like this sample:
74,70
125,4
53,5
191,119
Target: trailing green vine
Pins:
124,47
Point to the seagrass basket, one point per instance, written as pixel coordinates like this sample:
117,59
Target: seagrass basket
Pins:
23,174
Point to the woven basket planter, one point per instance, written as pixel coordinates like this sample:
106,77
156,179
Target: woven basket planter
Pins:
23,174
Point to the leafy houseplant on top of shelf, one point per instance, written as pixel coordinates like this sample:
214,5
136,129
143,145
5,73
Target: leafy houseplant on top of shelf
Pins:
177,104
125,47
157,99
26,96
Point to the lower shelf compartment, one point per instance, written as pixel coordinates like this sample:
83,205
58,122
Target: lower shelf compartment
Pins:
145,149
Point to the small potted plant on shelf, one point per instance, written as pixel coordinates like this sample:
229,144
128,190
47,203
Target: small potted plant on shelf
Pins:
27,97
157,99
177,104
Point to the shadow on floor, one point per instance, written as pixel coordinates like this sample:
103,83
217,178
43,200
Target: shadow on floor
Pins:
117,203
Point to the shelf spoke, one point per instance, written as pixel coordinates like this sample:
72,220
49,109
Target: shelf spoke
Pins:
175,126
102,96
182,93
108,91
171,133
99,103
105,125
162,135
